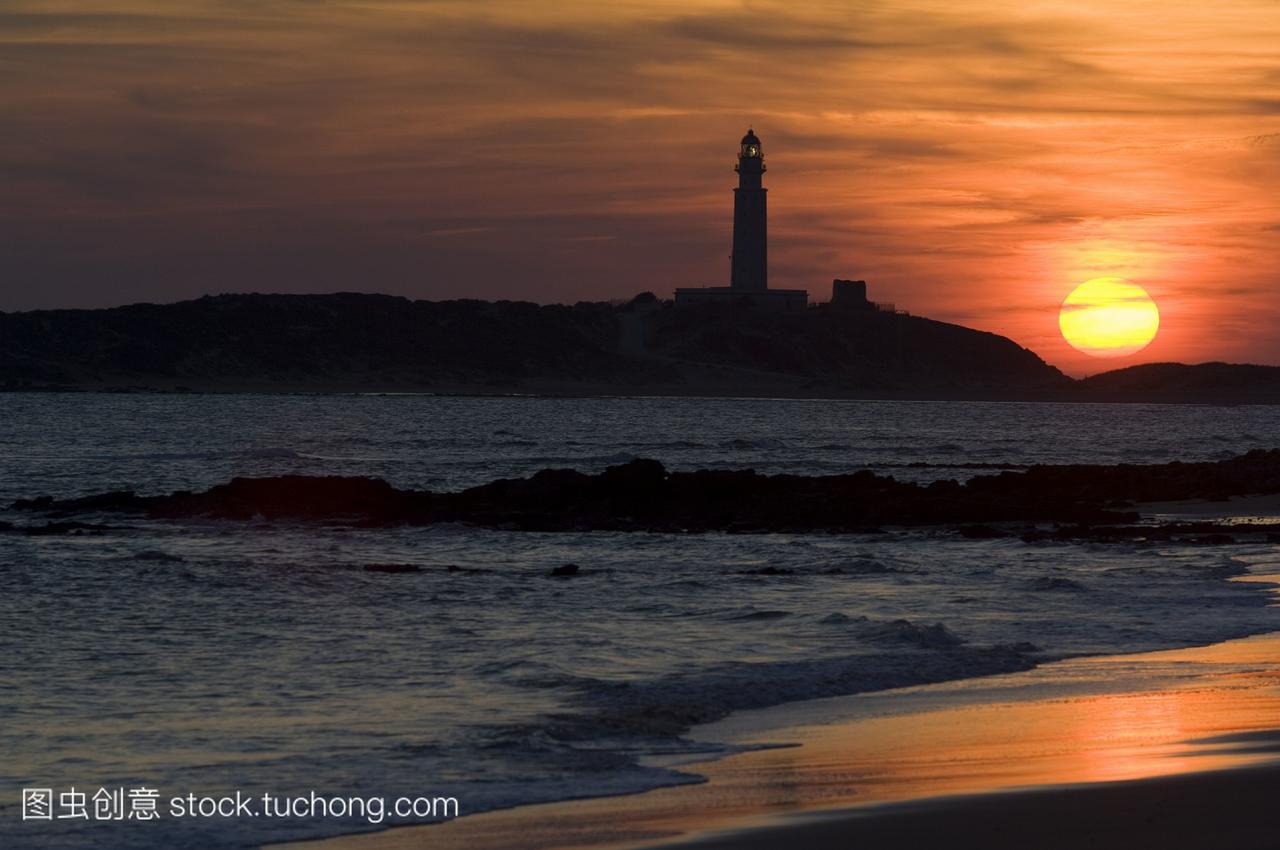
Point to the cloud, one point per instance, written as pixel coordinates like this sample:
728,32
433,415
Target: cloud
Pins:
970,162
767,30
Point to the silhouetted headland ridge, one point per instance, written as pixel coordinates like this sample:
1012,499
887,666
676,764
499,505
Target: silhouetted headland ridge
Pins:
350,342
374,343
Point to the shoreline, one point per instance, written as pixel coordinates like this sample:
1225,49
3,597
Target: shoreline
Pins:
1098,729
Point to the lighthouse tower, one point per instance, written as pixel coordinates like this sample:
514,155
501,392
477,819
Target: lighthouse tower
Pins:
750,268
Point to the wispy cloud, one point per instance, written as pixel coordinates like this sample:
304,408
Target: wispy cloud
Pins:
972,162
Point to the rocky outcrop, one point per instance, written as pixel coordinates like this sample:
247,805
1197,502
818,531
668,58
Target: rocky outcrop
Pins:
643,495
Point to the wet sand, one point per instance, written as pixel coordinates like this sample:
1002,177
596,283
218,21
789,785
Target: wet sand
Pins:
1176,747
1229,809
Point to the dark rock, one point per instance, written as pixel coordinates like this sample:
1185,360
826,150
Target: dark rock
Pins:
637,483
642,495
392,568
156,555
290,497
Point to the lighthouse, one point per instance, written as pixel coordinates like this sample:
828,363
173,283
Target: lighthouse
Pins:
750,265
749,262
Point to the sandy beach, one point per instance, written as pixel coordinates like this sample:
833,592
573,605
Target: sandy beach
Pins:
1175,747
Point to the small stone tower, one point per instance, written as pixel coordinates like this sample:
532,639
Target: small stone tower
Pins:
750,270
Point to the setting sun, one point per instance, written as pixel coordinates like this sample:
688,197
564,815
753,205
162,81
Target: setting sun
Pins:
1109,317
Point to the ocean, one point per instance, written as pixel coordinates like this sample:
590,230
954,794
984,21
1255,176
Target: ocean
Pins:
207,657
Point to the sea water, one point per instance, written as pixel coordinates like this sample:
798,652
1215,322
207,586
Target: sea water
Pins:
208,657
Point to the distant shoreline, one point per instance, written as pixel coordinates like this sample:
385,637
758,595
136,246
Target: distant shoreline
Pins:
352,342
603,392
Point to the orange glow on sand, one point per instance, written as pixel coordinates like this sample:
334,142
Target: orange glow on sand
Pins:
1109,317
1186,710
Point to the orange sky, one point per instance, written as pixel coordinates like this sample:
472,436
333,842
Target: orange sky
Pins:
972,161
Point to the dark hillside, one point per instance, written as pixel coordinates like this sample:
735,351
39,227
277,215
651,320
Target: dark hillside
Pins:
355,342
1233,383
297,341
851,349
